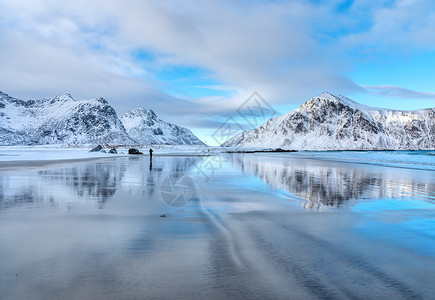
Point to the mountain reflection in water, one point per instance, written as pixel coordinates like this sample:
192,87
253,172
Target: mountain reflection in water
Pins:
333,184
100,230
90,182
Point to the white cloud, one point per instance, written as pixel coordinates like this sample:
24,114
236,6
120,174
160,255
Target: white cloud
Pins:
394,27
287,51
243,45
397,91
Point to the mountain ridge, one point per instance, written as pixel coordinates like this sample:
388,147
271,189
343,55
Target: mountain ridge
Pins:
330,122
61,120
144,126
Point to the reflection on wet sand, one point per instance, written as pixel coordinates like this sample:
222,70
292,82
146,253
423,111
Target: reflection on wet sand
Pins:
94,182
333,184
241,240
143,178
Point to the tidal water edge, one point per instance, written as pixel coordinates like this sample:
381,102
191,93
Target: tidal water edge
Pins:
233,226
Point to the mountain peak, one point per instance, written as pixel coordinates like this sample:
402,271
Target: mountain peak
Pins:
63,120
142,112
64,97
327,95
60,120
335,122
102,100
144,127
341,99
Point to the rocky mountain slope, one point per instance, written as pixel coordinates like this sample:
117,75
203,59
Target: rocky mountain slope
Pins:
59,120
143,126
330,122
63,120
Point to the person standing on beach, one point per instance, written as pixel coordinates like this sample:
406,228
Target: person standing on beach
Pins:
151,159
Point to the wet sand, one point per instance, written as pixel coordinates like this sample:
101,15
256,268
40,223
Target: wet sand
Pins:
256,227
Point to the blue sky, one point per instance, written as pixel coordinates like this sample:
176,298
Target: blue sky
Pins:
196,62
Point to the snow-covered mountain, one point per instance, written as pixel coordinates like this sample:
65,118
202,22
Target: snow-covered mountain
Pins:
330,122
143,126
63,120
59,120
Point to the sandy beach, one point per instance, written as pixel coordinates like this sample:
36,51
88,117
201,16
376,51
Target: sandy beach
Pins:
251,226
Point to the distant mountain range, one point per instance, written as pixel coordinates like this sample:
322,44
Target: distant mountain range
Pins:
143,126
330,122
325,122
63,120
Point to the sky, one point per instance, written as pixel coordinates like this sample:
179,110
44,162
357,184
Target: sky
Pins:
196,63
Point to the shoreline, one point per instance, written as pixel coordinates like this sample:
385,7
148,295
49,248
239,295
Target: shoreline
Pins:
403,159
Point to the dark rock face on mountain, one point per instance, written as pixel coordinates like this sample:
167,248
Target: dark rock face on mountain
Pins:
144,127
330,122
59,120
63,120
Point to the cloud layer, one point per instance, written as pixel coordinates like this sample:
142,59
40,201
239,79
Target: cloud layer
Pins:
399,92
288,51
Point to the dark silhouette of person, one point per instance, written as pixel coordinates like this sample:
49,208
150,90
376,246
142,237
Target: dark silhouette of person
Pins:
151,159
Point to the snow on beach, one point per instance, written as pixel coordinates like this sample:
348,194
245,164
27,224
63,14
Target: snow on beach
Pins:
23,154
423,160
